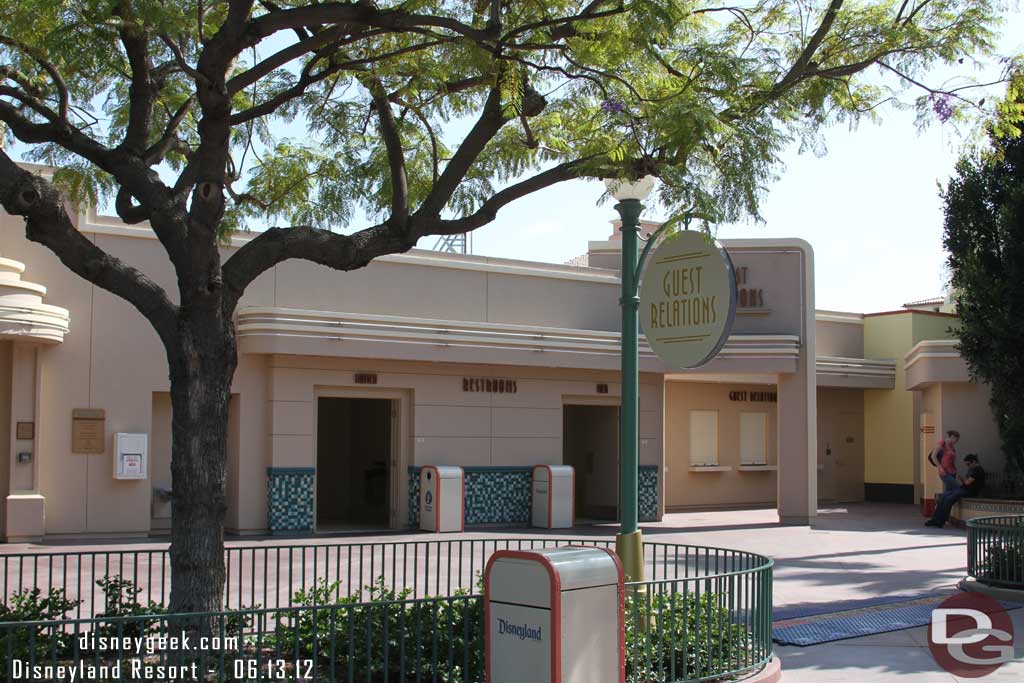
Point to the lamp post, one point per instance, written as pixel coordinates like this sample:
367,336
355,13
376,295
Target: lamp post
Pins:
629,541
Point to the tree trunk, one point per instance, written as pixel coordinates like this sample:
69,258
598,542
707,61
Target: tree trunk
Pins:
201,371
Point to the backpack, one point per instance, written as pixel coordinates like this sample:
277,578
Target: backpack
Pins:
936,461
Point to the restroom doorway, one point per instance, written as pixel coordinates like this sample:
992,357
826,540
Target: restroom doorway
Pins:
590,444
355,445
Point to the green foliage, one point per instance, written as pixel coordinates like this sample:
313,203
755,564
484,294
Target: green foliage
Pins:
984,234
705,96
121,599
1003,562
682,633
377,632
40,641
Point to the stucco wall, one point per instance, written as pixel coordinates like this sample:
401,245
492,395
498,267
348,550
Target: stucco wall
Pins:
688,489
112,360
839,339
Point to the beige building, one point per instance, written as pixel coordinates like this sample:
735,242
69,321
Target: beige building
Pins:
347,383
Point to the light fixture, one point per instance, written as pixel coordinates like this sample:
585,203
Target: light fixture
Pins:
630,189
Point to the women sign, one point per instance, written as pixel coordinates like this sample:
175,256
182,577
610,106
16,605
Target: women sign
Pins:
688,299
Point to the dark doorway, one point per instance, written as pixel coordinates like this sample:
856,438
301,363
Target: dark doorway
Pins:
590,443
353,458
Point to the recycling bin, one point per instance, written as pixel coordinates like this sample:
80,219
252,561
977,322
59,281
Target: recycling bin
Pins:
555,615
442,498
554,504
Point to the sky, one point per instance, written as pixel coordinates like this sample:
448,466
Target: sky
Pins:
870,208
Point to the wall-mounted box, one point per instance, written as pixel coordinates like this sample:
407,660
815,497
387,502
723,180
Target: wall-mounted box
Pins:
131,456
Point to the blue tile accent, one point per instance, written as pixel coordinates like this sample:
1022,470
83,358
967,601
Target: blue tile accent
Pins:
648,493
290,499
501,495
494,495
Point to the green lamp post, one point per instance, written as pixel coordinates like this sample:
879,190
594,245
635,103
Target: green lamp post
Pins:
629,541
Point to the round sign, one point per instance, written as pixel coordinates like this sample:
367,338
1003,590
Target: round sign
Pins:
688,299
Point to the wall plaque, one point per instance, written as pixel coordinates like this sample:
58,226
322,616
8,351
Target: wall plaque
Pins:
26,431
88,430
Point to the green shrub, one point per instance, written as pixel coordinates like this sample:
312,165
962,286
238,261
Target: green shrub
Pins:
378,632
1004,562
121,599
44,641
691,636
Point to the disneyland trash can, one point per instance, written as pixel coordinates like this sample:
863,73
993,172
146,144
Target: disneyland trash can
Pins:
442,498
553,497
555,616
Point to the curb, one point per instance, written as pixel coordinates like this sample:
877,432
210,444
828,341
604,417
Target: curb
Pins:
771,673
972,585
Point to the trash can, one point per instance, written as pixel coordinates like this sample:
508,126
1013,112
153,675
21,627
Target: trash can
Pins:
555,615
442,498
554,501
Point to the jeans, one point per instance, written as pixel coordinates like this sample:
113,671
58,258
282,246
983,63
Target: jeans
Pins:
949,483
947,502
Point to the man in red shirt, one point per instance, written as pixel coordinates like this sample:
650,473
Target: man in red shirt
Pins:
944,459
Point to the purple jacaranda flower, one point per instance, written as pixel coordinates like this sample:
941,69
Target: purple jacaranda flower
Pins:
942,107
613,106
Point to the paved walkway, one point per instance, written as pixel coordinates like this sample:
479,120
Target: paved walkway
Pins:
852,552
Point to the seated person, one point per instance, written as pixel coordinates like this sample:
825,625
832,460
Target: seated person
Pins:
970,486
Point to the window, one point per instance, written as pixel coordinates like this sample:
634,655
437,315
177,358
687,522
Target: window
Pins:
753,438
703,437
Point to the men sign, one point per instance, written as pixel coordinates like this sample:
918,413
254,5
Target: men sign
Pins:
688,299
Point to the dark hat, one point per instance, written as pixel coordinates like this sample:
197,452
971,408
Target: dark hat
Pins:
971,457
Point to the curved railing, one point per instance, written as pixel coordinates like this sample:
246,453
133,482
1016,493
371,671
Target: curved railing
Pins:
388,611
995,550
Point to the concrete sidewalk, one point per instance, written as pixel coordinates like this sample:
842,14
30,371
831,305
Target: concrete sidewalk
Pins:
853,552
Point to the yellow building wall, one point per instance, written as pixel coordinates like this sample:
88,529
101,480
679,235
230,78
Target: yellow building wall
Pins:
890,445
888,441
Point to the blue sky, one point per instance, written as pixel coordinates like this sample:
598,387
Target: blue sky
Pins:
870,208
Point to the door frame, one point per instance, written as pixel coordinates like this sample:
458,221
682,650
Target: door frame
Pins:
401,450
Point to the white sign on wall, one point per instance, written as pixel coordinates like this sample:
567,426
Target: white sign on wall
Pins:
688,299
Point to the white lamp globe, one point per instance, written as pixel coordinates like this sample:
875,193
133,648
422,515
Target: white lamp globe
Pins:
630,189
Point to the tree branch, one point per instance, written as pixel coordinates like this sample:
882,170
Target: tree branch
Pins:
47,223
486,127
489,209
334,250
354,16
142,91
159,149
802,62
282,57
393,145
49,68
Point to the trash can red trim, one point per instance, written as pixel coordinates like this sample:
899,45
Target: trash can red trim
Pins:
437,505
556,609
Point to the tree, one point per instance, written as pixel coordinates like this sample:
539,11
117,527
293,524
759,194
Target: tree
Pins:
196,95
984,234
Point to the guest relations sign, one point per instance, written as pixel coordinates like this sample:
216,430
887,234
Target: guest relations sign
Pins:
688,299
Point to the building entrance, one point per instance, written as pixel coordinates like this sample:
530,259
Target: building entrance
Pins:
353,463
590,443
